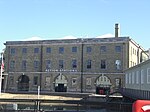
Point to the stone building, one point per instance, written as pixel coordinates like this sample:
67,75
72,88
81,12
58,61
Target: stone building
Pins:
94,65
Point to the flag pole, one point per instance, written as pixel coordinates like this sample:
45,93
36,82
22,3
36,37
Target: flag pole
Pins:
1,73
38,103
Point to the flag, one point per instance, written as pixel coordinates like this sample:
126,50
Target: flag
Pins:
2,67
2,64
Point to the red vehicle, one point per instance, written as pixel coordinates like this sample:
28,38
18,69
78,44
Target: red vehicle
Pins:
141,106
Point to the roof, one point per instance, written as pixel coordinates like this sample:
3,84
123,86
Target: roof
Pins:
79,40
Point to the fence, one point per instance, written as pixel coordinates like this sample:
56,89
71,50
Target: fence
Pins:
135,93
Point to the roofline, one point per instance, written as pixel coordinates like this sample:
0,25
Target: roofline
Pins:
79,40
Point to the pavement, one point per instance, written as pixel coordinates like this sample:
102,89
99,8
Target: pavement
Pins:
35,96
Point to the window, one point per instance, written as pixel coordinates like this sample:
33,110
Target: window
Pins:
118,48
74,81
129,78
47,81
74,63
142,76
117,82
103,49
74,49
24,64
61,64
137,77
88,64
88,81
12,51
133,77
24,50
61,50
103,64
48,65
118,64
36,50
148,75
35,80
131,50
130,63
12,64
126,78
48,50
36,64
89,49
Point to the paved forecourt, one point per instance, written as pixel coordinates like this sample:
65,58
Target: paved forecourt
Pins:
36,96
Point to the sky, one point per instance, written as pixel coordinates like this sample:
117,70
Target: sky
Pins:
57,19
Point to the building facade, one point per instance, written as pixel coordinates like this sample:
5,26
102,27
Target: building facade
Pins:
137,81
138,77
94,65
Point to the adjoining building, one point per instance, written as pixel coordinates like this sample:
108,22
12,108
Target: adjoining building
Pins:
93,65
137,81
138,77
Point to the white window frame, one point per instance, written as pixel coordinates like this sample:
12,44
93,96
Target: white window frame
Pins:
148,75
142,76
137,77
129,78
118,64
133,77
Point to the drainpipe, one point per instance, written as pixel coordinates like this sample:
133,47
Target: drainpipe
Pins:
81,65
41,67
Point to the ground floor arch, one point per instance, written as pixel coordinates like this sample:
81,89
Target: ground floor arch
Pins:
103,85
60,83
64,82
23,83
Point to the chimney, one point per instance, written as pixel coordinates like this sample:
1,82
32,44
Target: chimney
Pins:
149,52
117,30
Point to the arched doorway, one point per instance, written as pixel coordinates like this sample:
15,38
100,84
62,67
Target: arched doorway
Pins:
103,85
23,83
61,83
